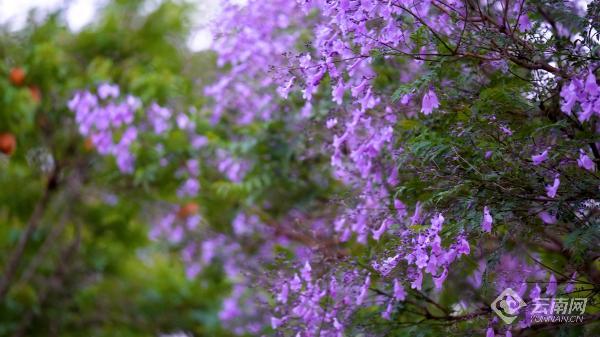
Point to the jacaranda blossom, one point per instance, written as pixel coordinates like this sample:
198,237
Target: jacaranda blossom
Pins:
539,158
551,189
486,222
430,102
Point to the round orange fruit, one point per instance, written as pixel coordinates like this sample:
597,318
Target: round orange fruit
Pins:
17,76
188,209
8,143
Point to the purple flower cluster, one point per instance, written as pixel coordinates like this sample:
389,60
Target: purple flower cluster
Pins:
254,40
299,301
113,125
428,254
190,186
581,97
108,123
233,168
160,118
269,69
362,146
173,226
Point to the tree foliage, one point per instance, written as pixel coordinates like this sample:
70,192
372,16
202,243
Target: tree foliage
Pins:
329,168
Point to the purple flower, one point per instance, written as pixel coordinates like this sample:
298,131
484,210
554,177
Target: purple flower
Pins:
551,288
276,322
535,292
569,96
282,296
190,188
338,92
360,88
524,23
129,136
192,270
364,290
100,121
463,247
192,221
295,283
331,123
230,309
192,166
551,189
506,130
490,332
430,102
176,234
387,314
416,218
486,222
305,273
436,222
587,110
306,110
125,161
421,258
377,233
418,281
585,161
337,325
209,250
184,122
106,90
399,292
439,280
133,102
400,207
242,224
284,90
199,142
547,218
159,118
591,88
539,158
368,101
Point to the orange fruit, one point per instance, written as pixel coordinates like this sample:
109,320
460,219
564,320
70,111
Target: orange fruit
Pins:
88,145
188,209
17,76
36,94
8,143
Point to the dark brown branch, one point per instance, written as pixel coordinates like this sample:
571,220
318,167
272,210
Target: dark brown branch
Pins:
34,221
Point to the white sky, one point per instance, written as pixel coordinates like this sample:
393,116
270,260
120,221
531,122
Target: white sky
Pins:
81,12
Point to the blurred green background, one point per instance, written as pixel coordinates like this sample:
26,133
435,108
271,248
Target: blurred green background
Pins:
87,267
